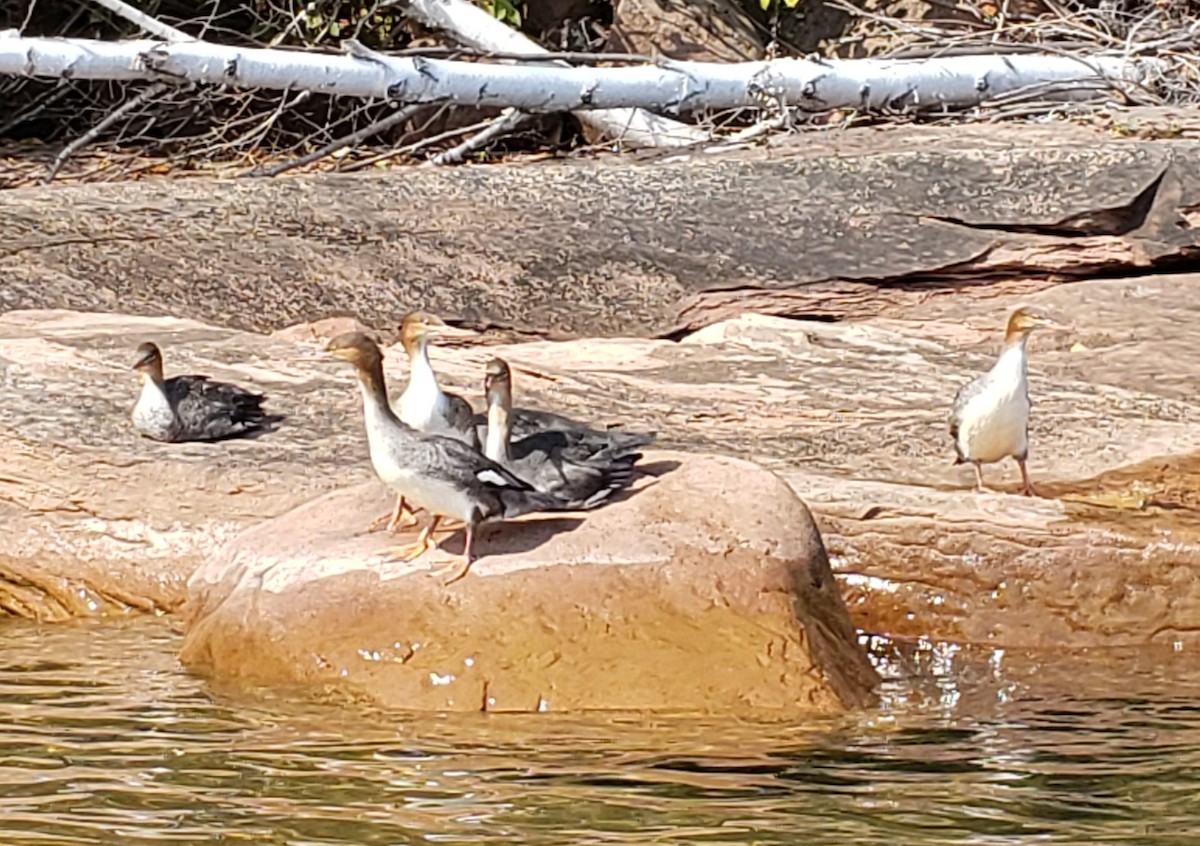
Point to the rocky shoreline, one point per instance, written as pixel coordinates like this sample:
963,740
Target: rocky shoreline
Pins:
850,414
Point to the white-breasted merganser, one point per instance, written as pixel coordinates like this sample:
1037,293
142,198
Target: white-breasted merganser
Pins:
523,422
424,405
580,467
990,418
193,408
446,477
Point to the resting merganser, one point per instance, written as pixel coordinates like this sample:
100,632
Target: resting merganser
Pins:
446,477
580,467
990,418
192,408
523,422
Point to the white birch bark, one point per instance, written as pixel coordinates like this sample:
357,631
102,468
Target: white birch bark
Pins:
918,84
473,27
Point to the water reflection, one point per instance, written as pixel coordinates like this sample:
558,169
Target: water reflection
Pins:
104,740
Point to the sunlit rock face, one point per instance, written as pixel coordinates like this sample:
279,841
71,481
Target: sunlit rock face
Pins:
705,588
852,415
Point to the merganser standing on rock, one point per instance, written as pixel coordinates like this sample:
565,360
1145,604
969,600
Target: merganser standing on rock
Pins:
192,408
424,405
446,477
990,418
580,471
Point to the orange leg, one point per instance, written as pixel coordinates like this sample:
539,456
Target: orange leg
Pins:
392,520
468,557
424,543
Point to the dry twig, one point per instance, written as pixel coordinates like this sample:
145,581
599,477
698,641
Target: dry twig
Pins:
381,125
509,120
147,23
148,94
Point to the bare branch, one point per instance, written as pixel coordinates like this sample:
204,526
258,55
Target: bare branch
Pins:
509,120
28,15
148,94
378,126
147,23
476,28
811,85
420,144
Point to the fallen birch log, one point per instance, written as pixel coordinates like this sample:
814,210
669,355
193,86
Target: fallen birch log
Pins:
672,87
471,26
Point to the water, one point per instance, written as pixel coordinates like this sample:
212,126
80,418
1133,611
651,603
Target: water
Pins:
103,739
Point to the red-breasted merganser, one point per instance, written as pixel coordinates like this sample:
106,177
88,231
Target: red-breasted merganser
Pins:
424,405
580,467
446,477
990,418
193,408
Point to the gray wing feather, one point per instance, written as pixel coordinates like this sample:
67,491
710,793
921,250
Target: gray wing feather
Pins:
497,491
208,410
526,422
450,460
460,419
577,471
966,394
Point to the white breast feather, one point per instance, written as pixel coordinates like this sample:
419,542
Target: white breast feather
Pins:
994,424
423,405
153,414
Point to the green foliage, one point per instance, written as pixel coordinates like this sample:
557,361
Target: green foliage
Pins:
370,22
508,11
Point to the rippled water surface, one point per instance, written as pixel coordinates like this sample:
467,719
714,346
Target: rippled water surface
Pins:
103,739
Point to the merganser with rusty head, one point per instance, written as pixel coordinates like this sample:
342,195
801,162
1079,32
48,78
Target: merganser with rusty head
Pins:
524,422
578,467
193,408
446,477
990,418
424,405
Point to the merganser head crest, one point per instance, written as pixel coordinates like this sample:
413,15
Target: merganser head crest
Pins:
148,357
421,325
497,375
356,348
1023,321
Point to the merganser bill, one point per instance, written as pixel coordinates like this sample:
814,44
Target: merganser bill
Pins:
446,477
990,418
581,468
192,408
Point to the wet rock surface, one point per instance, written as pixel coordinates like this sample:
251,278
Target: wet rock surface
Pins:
706,588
